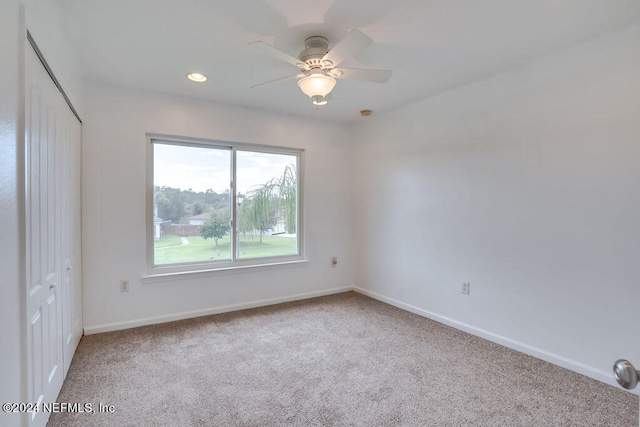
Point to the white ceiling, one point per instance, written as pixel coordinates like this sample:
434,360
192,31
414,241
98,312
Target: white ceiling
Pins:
431,45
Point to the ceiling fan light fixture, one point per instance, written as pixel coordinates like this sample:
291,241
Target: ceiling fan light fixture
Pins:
319,100
197,77
317,64
316,85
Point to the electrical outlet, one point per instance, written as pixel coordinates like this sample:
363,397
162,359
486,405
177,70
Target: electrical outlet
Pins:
465,288
334,261
124,286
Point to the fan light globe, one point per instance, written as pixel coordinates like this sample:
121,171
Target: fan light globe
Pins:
197,77
318,100
316,85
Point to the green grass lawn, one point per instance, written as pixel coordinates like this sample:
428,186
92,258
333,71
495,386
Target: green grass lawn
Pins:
169,249
166,241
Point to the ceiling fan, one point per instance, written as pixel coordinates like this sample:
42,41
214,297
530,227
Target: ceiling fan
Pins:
318,65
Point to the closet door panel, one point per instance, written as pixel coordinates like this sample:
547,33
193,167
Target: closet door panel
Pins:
52,210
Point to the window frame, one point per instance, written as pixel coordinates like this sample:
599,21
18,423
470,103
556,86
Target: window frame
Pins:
204,267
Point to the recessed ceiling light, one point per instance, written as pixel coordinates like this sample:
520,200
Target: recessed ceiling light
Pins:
197,77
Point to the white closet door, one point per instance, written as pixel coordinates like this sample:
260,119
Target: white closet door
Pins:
69,167
47,123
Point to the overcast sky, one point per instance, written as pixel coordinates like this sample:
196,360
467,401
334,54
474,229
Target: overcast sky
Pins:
203,168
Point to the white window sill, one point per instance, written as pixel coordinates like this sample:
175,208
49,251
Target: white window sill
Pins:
194,274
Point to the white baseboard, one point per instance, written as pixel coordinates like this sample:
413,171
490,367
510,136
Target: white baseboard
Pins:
109,327
597,374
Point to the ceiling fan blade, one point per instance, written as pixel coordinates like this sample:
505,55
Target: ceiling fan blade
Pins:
274,51
346,48
361,74
281,79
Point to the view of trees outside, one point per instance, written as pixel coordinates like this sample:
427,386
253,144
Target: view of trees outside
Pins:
269,206
192,204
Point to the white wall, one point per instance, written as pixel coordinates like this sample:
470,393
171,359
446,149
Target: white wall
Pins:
44,24
114,222
11,70
526,185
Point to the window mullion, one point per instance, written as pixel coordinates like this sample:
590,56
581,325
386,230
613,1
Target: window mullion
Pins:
234,206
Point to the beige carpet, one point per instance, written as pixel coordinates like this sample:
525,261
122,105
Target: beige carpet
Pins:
339,360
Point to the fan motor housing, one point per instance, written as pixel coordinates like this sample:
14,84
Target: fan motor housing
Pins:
316,47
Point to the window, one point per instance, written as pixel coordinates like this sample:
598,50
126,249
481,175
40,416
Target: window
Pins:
216,205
